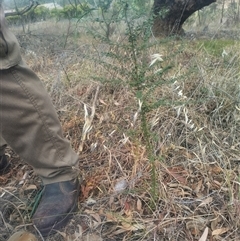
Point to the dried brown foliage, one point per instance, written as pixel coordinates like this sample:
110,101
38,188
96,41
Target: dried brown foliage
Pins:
196,147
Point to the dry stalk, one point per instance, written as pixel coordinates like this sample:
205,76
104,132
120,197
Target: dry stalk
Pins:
88,121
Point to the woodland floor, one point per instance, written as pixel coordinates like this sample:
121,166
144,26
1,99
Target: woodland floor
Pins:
191,185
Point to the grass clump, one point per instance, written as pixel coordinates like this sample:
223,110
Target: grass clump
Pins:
217,47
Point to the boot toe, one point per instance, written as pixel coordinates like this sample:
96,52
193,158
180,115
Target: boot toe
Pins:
56,207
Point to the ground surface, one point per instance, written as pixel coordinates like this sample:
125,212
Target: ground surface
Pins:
187,184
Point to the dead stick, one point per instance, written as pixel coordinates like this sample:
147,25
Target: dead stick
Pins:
88,120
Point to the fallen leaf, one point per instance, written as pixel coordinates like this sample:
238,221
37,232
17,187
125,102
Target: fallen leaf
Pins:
92,237
139,205
196,225
206,201
111,217
198,187
102,102
216,221
219,231
31,187
204,235
178,173
22,236
128,226
93,214
216,169
90,184
64,235
127,209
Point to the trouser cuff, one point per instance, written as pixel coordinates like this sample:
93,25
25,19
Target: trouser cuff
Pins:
2,150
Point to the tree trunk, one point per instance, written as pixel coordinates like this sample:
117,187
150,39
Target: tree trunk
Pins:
171,14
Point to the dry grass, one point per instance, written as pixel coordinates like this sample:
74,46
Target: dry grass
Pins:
195,139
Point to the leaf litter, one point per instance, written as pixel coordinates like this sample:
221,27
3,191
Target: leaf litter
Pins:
197,170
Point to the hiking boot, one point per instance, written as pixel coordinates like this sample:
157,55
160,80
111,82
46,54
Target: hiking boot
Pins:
4,164
58,203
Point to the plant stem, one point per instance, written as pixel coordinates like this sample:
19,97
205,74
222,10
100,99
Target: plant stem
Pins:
149,149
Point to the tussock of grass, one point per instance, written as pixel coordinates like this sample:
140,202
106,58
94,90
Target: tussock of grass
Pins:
194,134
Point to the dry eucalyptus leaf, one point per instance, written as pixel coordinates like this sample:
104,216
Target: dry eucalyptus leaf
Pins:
92,237
204,235
139,205
215,222
131,226
102,102
196,225
206,201
31,187
95,215
219,231
198,187
22,236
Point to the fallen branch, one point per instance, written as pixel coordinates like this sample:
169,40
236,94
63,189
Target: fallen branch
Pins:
32,5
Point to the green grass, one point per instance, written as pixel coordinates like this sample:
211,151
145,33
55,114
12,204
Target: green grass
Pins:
217,46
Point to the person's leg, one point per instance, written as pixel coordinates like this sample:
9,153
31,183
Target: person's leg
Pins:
30,126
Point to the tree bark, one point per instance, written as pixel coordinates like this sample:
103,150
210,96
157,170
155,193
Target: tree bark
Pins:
169,15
